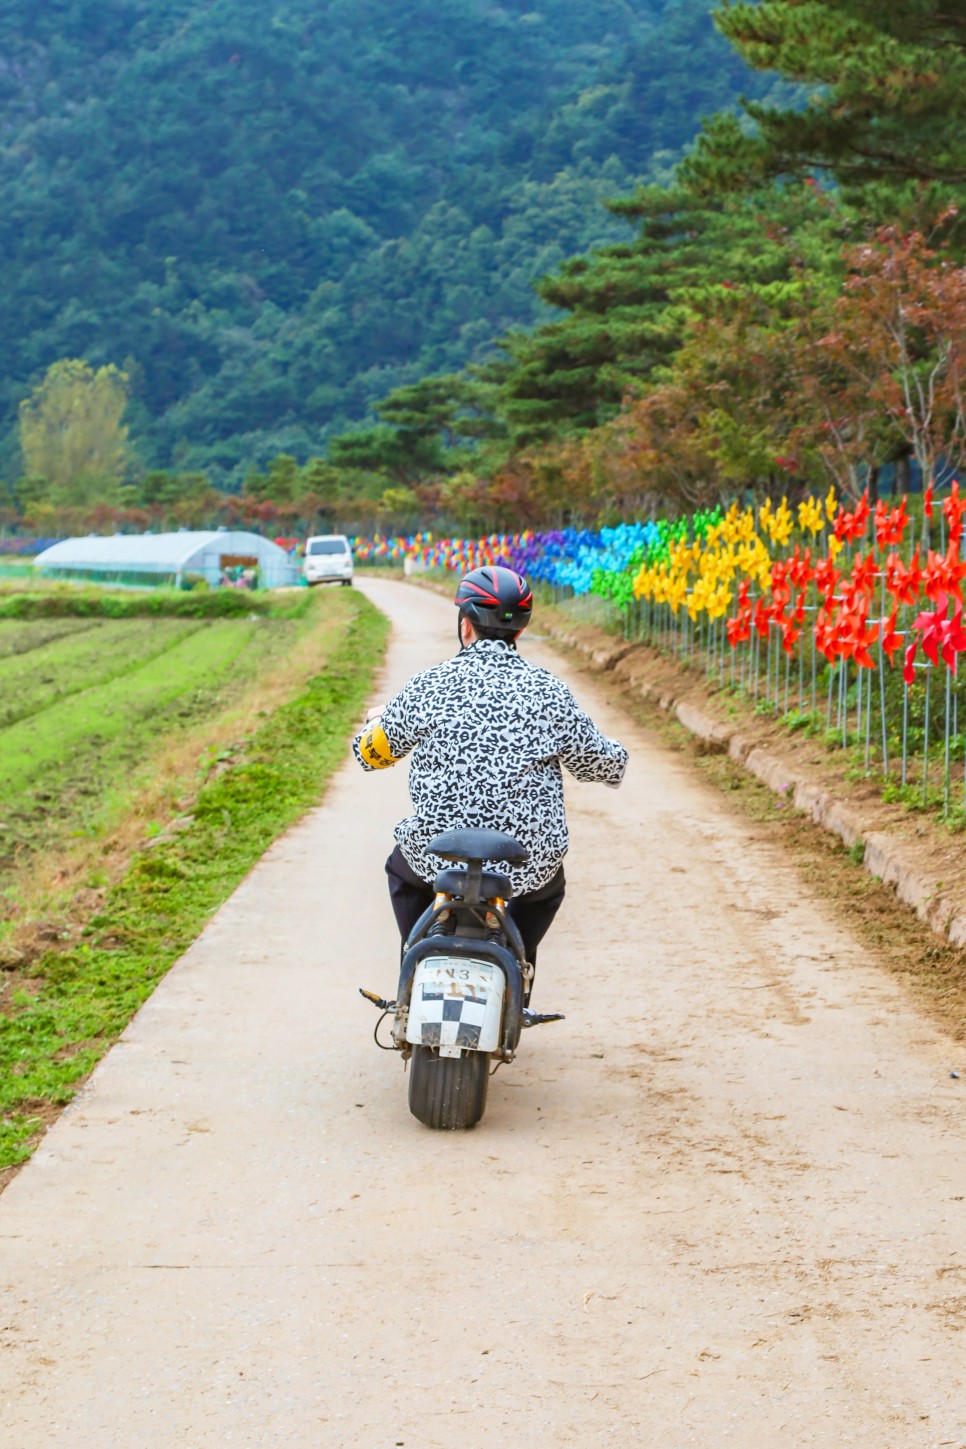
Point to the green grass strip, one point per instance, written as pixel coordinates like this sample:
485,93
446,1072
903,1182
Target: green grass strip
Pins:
57,601
56,1033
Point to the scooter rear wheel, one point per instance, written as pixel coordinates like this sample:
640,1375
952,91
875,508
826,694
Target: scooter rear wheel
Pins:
448,1093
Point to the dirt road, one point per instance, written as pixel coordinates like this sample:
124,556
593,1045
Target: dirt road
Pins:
723,1204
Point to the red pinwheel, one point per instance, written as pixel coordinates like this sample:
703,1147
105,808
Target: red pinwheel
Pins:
891,640
790,635
800,569
953,509
827,577
864,573
909,668
903,583
944,574
929,627
933,584
851,526
761,619
954,571
739,628
953,637
890,526
942,633
827,635
856,637
927,501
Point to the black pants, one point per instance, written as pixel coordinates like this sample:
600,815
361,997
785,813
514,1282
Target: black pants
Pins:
532,913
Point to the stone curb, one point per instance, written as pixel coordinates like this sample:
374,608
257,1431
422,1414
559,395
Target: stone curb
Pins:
883,856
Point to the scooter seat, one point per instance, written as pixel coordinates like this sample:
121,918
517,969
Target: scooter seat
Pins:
452,882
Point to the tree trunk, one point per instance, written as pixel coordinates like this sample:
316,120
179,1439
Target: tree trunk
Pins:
873,483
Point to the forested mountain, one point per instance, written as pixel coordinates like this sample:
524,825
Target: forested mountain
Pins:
272,212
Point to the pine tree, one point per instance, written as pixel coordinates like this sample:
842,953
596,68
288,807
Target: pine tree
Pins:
886,97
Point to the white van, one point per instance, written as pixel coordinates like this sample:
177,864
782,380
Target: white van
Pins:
328,559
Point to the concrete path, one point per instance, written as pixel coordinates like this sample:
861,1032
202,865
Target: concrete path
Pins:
724,1204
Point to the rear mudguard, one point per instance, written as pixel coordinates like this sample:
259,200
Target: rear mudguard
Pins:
478,950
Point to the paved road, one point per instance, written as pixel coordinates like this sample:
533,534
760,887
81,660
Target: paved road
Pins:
723,1204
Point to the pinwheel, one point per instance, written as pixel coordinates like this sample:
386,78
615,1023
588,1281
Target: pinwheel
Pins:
827,578
909,665
850,527
864,574
929,628
827,635
953,637
856,637
890,526
791,633
738,629
903,583
953,509
944,573
761,619
889,638
800,568
831,505
810,518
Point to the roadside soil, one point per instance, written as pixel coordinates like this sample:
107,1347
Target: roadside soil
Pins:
723,1203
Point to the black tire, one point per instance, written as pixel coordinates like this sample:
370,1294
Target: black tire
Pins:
448,1093
347,583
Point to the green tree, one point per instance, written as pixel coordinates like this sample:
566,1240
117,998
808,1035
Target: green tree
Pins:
628,306
886,87
71,432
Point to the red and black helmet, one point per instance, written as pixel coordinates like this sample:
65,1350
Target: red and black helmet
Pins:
495,600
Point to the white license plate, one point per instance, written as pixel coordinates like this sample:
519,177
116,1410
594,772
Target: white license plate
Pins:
456,1005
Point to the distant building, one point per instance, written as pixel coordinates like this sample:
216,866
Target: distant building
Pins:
221,558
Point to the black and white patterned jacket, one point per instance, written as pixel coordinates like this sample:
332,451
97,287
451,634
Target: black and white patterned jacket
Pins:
489,732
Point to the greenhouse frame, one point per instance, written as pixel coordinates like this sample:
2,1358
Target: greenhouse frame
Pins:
220,558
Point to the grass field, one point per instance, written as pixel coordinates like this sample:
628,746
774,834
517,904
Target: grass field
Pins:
125,746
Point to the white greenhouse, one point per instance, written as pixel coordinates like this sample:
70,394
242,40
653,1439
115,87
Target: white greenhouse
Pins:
181,559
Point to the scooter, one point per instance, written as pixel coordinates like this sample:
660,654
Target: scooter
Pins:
464,984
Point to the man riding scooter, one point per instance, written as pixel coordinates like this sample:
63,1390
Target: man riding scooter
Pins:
489,733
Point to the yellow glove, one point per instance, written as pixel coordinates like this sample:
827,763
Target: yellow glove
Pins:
374,747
